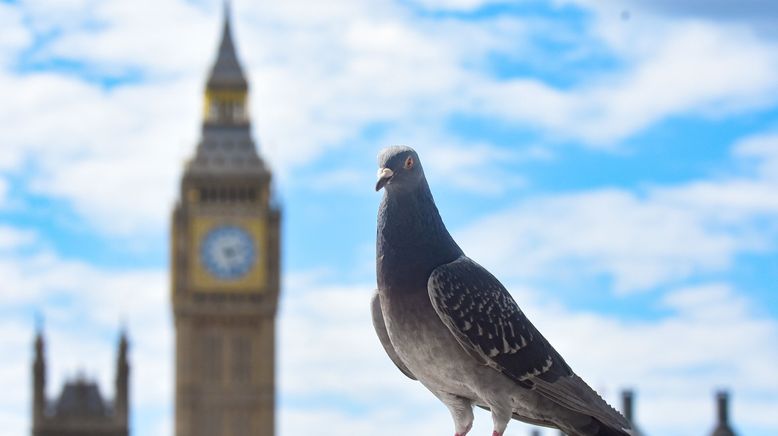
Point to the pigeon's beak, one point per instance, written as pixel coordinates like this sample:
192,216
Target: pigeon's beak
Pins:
384,175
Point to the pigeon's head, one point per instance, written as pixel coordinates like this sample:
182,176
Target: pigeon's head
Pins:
398,168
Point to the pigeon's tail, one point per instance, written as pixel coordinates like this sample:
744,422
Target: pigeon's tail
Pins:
596,428
604,430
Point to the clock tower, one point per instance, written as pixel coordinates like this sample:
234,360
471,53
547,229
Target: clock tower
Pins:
225,269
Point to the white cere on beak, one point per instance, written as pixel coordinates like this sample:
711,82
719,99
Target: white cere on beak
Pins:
384,173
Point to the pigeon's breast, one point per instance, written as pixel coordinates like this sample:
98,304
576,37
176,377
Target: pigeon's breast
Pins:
426,345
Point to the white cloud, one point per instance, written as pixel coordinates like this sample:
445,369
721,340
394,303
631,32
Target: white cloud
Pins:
320,78
177,38
754,13
711,339
655,236
12,238
14,34
114,154
474,167
324,325
333,421
456,5
690,69
638,243
15,403
762,150
334,86
357,72
343,180
468,165
3,192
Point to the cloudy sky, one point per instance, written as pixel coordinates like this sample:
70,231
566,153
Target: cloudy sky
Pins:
615,163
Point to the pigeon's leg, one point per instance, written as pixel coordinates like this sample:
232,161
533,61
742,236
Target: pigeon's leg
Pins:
461,411
500,417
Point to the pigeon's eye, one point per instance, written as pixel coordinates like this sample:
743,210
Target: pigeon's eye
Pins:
409,162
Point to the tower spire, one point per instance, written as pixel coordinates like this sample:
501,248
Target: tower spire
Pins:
723,427
122,378
226,143
226,92
39,375
227,72
628,409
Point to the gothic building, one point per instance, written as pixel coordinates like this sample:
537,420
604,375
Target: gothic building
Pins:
80,410
225,261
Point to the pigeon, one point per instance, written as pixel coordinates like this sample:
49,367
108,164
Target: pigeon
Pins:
447,322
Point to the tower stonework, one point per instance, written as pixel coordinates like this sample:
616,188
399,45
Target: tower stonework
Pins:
225,261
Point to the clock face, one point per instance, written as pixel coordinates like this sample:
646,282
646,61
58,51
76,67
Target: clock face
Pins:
228,252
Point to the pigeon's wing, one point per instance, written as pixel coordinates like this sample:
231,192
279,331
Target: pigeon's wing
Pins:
488,323
383,335
486,320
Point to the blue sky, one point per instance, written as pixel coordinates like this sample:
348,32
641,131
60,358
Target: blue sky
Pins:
614,163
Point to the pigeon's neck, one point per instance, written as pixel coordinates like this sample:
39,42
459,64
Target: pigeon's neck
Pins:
411,240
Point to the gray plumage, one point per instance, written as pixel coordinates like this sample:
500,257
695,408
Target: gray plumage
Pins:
447,322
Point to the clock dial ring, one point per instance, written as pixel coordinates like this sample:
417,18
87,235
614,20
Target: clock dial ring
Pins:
228,252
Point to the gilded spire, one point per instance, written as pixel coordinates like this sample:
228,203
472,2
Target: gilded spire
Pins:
226,71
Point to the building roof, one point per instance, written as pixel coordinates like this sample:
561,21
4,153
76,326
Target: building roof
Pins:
81,398
226,150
